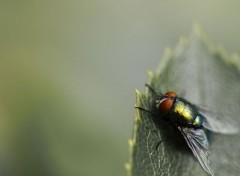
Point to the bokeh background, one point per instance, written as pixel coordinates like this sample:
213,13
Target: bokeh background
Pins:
68,70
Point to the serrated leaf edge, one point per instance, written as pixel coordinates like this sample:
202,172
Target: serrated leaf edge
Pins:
169,53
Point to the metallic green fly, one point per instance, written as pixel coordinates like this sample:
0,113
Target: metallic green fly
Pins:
192,121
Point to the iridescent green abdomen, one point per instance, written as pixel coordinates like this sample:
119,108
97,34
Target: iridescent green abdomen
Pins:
184,113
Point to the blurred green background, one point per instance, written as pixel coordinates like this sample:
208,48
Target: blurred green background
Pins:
68,70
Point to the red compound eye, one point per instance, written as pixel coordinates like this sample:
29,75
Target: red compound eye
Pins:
171,94
167,104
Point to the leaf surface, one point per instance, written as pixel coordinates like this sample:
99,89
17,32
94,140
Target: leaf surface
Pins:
204,75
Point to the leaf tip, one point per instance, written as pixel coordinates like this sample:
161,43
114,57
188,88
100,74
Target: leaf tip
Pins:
168,51
137,119
232,59
150,74
128,167
199,34
197,29
131,143
138,93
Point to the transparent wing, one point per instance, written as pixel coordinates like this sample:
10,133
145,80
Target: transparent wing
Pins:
213,121
198,143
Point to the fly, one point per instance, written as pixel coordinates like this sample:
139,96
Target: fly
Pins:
192,121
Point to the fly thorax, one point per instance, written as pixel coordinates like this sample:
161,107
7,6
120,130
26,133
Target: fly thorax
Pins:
184,113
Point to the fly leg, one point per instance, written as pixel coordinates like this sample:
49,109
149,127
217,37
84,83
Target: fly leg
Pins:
152,90
137,107
170,139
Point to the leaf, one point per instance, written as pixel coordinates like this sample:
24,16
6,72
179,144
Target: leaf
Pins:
205,75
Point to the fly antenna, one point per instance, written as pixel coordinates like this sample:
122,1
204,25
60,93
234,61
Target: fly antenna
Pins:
137,107
150,88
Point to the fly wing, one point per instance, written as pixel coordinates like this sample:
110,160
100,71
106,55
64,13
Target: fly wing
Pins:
213,122
198,143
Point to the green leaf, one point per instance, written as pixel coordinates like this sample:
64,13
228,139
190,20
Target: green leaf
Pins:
205,75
